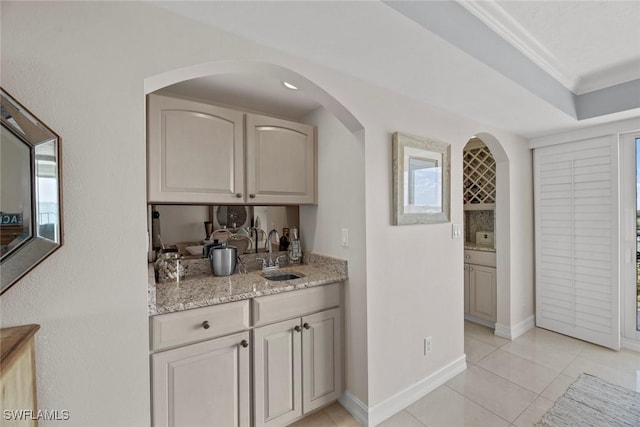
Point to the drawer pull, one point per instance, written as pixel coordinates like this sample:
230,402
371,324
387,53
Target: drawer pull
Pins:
244,343
467,256
205,324
306,326
238,195
297,328
253,196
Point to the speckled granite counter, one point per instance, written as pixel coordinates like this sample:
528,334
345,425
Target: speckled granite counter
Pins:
203,289
477,247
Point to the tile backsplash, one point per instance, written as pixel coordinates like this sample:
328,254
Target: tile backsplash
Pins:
475,221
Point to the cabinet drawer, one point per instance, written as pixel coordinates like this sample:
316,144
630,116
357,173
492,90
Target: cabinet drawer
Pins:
189,326
480,258
287,305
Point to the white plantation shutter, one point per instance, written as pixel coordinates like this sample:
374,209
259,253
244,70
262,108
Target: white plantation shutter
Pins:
577,278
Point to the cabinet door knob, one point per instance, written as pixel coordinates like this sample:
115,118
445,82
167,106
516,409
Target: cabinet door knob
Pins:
306,326
467,256
470,268
297,328
244,343
205,324
253,196
238,195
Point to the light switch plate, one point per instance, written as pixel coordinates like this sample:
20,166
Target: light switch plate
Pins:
456,231
345,237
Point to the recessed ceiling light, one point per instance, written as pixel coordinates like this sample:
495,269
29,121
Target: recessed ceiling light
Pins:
289,85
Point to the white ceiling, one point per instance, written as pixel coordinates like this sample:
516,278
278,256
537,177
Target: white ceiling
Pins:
585,45
440,53
256,92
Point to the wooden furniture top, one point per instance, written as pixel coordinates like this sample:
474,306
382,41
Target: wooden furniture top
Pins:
12,341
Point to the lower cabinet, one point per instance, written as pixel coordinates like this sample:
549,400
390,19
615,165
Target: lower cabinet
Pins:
482,291
297,367
203,384
288,358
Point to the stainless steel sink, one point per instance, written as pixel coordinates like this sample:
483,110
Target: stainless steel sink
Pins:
283,275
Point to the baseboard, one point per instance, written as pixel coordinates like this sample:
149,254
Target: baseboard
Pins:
479,321
404,398
355,407
511,333
630,344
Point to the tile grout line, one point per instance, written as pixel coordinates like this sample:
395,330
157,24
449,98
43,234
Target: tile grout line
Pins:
413,416
477,403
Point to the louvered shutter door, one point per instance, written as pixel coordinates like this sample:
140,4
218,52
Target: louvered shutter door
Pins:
577,274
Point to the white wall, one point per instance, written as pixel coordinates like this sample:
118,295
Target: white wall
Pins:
341,205
82,67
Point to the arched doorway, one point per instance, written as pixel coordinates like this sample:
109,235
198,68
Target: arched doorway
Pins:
494,212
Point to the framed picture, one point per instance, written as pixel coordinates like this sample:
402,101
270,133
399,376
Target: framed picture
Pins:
421,180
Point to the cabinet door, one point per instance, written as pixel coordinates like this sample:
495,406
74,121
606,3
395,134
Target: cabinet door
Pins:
204,384
321,359
281,161
482,292
195,152
466,289
277,373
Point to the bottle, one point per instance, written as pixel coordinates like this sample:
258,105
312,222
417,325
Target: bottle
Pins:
284,240
295,250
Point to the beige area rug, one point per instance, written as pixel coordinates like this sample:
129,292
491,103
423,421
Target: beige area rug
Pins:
590,401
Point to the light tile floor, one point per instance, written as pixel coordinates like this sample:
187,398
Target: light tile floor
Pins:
513,383
507,383
333,415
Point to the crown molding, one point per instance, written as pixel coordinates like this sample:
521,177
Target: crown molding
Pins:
507,27
621,73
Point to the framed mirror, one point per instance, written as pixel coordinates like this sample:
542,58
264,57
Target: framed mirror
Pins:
30,193
421,180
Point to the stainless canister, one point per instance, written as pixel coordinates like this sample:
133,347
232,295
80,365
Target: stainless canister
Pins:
223,260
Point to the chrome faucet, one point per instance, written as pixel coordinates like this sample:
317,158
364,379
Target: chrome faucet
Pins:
271,264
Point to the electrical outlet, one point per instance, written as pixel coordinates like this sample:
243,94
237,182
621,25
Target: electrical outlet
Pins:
427,346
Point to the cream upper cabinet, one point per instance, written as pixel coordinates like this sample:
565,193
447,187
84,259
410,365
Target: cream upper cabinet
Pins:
195,152
281,161
201,153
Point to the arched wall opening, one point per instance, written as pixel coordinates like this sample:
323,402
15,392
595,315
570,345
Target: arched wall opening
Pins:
340,140
502,233
159,81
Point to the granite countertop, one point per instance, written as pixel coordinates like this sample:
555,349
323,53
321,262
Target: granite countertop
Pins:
478,247
203,289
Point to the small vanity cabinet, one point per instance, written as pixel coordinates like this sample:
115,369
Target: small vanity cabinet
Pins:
480,286
202,153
